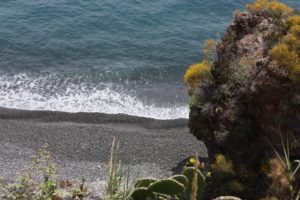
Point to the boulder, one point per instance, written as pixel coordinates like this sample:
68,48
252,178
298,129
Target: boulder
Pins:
250,104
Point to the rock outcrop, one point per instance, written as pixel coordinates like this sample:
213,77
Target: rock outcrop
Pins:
251,101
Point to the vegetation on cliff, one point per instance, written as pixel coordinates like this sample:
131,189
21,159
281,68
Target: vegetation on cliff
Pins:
250,103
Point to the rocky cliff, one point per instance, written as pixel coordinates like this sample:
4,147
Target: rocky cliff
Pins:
250,102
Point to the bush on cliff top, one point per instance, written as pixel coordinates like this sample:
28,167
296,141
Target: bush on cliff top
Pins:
272,8
286,53
196,73
201,71
286,57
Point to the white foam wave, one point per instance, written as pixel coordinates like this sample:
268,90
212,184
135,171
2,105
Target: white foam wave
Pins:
23,92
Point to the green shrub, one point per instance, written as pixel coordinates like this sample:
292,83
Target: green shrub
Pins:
39,183
197,73
273,8
189,185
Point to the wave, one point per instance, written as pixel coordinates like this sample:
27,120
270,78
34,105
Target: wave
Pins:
49,92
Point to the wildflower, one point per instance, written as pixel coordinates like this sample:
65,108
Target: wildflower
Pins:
279,8
294,20
295,30
291,41
222,164
284,56
192,160
270,7
209,49
258,5
196,73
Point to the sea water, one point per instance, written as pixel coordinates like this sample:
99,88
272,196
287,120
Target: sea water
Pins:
107,56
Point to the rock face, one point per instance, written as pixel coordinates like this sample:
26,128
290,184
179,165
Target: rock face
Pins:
249,103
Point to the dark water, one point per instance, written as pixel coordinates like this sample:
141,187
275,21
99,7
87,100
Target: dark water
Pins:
109,56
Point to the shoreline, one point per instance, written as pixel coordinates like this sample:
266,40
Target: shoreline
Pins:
85,117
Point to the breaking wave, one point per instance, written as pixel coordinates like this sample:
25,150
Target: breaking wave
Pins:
55,93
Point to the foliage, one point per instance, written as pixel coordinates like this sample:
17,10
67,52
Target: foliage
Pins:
197,73
196,183
237,14
116,177
294,20
190,185
283,172
223,180
271,8
210,50
194,102
284,56
39,183
265,18
31,185
114,171
69,189
186,186
291,41
222,164
160,189
286,53
201,71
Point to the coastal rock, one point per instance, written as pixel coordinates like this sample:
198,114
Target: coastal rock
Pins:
250,103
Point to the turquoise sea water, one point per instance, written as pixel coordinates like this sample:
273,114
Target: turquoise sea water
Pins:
109,56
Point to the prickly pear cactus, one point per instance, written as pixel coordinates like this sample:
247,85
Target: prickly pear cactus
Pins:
145,182
167,187
140,194
189,173
181,179
153,188
179,186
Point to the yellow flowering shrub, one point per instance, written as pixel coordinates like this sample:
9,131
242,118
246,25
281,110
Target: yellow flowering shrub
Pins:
294,20
201,71
295,75
284,56
209,48
271,7
287,58
279,8
222,164
291,41
197,73
295,30
286,53
237,14
258,5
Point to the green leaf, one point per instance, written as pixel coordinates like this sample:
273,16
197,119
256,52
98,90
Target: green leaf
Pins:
140,194
297,168
167,187
189,173
181,179
145,182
